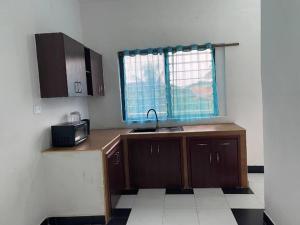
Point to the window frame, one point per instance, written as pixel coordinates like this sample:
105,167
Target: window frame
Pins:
165,51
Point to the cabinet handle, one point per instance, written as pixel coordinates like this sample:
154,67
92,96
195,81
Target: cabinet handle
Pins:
158,149
117,158
202,145
80,87
99,90
225,144
218,157
151,150
76,86
210,158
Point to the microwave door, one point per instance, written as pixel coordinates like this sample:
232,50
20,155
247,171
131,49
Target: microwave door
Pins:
80,134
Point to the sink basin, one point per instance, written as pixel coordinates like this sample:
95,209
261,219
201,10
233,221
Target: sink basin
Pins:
162,129
143,130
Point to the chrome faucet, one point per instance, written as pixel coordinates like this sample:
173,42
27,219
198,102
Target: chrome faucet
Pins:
156,127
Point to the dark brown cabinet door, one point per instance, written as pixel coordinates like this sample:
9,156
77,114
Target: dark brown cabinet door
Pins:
116,174
154,163
75,67
143,164
52,73
100,74
94,73
213,162
226,162
61,64
168,152
201,164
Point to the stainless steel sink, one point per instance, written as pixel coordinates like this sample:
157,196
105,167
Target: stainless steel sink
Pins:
162,129
143,130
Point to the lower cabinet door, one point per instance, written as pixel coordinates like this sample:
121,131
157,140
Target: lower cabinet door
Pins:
203,174
168,152
116,174
226,162
143,162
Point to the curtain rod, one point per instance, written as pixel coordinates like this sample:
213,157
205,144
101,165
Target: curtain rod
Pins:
226,44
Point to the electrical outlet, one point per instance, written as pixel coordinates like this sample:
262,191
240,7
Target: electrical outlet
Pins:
37,109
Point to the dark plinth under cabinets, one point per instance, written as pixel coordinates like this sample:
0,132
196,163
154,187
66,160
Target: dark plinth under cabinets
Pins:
67,68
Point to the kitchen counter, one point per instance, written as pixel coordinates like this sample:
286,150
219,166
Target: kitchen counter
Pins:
213,128
101,139
89,164
97,140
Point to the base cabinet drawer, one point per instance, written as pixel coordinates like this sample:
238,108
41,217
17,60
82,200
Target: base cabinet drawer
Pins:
213,162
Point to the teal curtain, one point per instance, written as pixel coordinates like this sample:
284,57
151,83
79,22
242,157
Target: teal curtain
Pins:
143,85
178,82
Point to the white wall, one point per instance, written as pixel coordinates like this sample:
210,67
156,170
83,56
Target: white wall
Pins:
23,134
74,183
281,94
113,25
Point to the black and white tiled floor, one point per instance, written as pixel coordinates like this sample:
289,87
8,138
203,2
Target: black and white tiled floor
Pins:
196,207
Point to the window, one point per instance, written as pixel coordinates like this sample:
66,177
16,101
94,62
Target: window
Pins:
179,83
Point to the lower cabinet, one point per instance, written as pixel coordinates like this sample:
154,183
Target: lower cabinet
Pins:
214,162
155,163
116,175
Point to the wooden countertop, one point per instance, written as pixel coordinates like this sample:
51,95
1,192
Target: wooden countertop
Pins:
98,140
213,128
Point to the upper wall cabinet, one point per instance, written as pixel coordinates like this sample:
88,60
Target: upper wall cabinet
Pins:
94,73
61,63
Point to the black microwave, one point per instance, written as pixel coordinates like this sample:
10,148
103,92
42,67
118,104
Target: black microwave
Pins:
69,134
